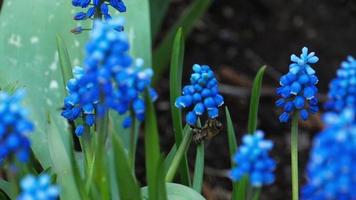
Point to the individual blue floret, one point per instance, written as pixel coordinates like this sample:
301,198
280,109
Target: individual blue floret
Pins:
38,188
202,94
298,91
73,108
111,77
252,159
14,128
342,89
331,171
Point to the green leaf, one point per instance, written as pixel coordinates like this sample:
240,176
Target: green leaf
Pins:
169,157
158,9
125,179
199,168
181,151
161,183
28,48
152,149
175,78
138,29
232,147
6,188
64,164
177,192
186,21
64,61
254,102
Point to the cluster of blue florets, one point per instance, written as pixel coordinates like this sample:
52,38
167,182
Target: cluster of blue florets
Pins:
36,188
298,90
14,128
342,92
73,109
101,6
331,171
202,94
111,79
252,159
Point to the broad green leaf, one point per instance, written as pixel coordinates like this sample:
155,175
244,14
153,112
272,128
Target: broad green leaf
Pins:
158,9
177,192
152,149
127,185
254,102
187,21
175,78
139,29
232,147
29,58
63,163
199,168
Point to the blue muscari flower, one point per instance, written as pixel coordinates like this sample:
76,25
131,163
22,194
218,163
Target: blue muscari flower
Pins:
97,6
202,95
298,90
331,171
111,78
73,108
14,128
38,188
252,160
342,89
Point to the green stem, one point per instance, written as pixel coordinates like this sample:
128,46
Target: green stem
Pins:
294,156
11,176
183,147
133,141
199,168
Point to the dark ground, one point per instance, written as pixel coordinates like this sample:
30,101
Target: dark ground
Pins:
236,37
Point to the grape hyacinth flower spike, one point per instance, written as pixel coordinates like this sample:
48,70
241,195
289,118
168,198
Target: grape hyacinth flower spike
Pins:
14,128
35,188
298,91
331,172
298,99
111,80
97,9
202,94
342,89
252,160
73,109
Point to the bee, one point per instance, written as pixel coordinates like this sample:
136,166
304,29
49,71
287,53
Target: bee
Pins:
211,128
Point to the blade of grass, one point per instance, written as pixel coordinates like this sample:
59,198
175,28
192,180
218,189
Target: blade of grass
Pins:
175,78
125,179
232,148
169,158
255,99
182,149
199,168
186,21
64,61
152,149
161,183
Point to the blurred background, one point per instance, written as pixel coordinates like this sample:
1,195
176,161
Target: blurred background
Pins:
237,37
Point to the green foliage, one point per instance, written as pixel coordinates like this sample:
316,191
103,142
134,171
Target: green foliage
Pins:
187,21
199,168
158,9
177,192
254,102
175,78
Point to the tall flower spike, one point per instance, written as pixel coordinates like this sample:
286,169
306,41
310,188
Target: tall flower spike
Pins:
342,89
252,159
94,6
73,108
298,90
14,128
202,94
38,188
331,172
111,80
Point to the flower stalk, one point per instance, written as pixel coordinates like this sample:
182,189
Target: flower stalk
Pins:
294,156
